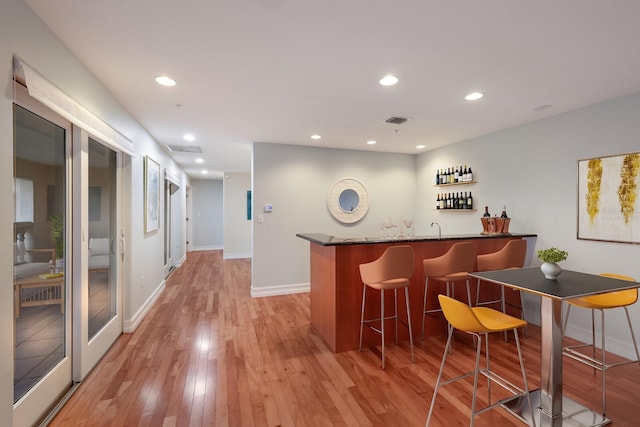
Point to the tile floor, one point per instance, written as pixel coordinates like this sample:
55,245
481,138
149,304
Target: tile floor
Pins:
39,335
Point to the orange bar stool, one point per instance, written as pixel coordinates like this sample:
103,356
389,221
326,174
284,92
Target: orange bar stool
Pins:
393,270
479,322
512,255
452,267
602,302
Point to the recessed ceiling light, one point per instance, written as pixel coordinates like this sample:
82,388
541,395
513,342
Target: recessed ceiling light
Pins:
388,80
371,142
204,172
420,146
189,137
165,81
474,96
316,136
199,160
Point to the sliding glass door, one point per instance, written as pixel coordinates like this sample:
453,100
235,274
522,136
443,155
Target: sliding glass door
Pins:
67,255
42,283
98,296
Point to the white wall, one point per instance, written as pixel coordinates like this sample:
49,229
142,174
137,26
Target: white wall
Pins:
295,181
237,228
207,214
24,35
532,169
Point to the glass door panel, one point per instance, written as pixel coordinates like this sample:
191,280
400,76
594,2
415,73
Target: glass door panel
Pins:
97,284
102,237
42,367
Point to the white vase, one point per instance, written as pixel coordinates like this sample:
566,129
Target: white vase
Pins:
551,270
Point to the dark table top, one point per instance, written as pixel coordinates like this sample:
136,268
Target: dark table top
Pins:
328,240
570,284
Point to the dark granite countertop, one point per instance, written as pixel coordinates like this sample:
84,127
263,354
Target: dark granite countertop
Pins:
327,240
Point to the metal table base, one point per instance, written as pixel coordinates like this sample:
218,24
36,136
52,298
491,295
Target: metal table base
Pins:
573,413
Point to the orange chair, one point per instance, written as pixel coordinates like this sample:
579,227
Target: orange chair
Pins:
393,270
602,302
479,322
454,266
512,255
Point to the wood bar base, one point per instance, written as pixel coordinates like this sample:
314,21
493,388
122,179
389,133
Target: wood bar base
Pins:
336,288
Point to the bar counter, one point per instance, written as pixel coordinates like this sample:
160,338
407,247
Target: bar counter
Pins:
336,288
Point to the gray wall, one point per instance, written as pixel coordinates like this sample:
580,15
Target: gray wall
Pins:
207,210
24,35
237,228
295,181
531,169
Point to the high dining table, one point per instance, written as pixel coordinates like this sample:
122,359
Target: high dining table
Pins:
552,408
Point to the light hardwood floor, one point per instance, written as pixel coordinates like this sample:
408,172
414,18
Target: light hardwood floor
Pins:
209,354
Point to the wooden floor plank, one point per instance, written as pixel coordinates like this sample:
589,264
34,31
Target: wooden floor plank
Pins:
207,354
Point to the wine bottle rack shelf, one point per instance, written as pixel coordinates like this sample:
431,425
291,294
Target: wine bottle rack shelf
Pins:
455,210
455,183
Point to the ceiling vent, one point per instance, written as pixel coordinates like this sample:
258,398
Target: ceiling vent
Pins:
184,148
396,120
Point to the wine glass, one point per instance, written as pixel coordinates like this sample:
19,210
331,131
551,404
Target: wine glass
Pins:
408,223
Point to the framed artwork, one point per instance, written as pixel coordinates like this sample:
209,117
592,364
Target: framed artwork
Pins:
249,204
608,202
151,195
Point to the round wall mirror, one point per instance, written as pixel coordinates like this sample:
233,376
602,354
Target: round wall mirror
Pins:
347,200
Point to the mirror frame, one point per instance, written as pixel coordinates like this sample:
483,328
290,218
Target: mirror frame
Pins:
333,200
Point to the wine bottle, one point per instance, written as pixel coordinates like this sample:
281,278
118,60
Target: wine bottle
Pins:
470,174
470,201
504,213
442,203
456,175
486,212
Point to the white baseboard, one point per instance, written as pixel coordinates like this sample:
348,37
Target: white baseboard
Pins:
181,261
269,291
206,248
130,325
237,255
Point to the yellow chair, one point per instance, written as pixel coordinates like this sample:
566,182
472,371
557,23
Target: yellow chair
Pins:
512,255
602,302
393,270
454,266
480,321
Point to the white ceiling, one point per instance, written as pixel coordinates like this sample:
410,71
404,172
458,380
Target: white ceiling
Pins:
281,70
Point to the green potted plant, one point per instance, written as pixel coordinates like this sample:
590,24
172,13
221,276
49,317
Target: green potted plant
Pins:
550,258
56,232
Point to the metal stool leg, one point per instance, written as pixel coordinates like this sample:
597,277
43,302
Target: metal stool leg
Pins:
406,298
424,305
437,386
364,295
382,322
395,296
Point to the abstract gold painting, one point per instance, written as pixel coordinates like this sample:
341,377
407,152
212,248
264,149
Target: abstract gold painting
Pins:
608,202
